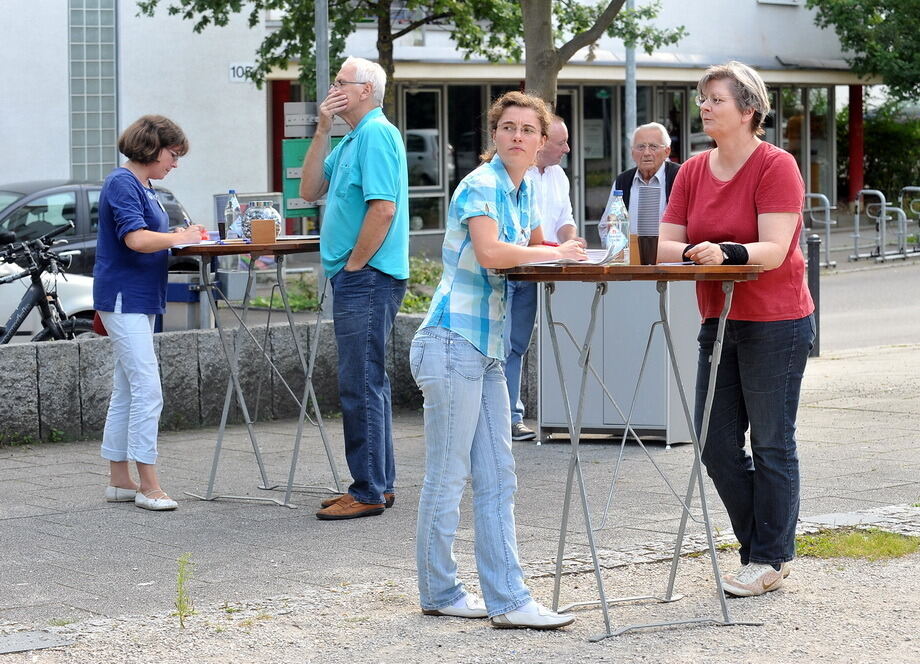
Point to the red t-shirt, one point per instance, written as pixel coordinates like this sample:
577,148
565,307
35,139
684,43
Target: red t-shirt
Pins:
717,211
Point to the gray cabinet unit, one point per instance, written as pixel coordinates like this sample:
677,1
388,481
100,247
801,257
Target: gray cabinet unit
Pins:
625,315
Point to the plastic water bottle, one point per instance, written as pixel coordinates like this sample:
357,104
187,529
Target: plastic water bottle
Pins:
233,219
616,238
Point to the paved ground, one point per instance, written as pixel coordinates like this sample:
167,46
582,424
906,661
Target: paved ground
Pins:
274,584
68,556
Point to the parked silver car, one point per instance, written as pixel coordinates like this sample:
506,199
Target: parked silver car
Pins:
32,209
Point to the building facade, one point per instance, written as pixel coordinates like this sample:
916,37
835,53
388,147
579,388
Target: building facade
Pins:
94,66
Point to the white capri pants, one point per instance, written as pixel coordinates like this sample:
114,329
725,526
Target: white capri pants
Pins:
137,398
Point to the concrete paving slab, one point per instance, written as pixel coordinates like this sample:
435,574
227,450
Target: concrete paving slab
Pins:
58,534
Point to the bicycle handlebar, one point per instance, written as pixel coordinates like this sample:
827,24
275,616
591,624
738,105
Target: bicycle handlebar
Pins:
38,253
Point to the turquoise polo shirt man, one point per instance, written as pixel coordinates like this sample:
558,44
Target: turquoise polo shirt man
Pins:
364,247
368,164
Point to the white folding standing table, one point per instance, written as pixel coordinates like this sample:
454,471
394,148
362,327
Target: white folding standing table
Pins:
231,348
662,275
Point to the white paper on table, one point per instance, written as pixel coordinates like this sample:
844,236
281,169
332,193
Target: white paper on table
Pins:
203,243
595,257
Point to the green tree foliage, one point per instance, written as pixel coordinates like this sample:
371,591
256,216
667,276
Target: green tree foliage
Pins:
553,31
498,30
294,38
891,145
882,35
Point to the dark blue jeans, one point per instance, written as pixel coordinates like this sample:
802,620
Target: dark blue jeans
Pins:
758,384
364,307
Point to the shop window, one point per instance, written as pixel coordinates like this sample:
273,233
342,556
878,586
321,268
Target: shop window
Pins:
465,117
597,155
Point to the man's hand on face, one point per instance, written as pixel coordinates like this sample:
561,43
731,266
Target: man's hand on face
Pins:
334,104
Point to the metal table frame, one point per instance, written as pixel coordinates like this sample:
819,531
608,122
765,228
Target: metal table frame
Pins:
661,274
231,349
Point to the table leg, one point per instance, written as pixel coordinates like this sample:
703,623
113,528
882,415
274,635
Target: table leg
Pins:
696,475
233,385
574,434
234,380
309,394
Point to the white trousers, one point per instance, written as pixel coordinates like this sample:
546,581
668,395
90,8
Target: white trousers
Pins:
137,399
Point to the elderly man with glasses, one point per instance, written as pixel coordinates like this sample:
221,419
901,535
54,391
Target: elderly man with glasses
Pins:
364,247
647,187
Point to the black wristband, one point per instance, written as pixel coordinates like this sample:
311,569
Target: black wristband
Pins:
735,254
683,255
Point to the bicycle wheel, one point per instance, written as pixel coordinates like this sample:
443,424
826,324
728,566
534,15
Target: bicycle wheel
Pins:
72,327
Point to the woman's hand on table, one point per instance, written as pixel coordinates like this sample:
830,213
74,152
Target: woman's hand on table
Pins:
572,249
189,234
705,253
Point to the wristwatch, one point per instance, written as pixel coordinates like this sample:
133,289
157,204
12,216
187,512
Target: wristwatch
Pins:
724,256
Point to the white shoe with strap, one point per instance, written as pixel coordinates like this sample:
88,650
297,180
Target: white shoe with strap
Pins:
115,494
157,501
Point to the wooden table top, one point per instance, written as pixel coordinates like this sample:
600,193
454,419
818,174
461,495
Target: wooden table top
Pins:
235,248
618,272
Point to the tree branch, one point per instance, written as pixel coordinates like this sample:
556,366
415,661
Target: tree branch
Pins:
419,23
592,34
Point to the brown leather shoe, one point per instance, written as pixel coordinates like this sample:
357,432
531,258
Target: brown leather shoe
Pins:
388,500
349,508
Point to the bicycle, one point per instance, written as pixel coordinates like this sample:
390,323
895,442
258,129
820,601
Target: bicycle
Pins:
36,258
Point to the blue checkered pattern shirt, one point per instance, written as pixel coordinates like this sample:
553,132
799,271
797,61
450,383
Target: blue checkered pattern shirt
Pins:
470,300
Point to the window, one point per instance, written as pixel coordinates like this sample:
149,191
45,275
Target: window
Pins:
92,88
93,196
42,215
423,137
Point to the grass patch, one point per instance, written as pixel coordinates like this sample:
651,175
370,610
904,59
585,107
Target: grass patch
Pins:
17,440
184,605
61,622
869,544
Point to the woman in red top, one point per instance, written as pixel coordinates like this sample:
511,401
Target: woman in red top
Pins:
741,203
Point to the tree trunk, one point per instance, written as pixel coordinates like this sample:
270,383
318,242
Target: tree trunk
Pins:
541,60
385,57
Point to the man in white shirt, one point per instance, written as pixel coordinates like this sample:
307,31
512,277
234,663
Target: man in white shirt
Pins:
647,187
551,194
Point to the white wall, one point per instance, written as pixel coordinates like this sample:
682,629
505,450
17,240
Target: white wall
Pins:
718,30
166,68
34,104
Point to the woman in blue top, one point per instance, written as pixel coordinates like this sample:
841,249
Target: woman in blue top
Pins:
129,289
456,360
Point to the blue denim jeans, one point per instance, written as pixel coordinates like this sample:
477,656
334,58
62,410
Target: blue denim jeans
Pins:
757,387
467,433
364,307
521,310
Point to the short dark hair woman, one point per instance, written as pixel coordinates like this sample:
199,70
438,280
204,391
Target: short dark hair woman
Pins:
129,290
736,204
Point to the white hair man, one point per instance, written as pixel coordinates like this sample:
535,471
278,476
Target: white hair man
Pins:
551,191
364,247
651,147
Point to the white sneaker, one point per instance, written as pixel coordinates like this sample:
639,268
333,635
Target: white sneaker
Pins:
468,606
161,503
115,494
532,616
753,579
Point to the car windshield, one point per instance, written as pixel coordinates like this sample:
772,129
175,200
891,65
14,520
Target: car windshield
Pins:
7,198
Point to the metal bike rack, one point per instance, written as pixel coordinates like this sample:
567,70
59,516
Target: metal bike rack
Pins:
882,213
823,206
909,198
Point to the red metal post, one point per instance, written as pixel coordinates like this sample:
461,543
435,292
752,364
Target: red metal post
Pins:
857,160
